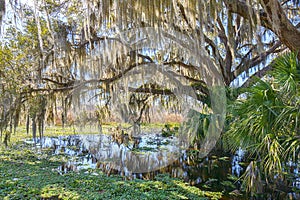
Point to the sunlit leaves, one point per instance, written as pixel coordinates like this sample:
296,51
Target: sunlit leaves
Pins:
265,121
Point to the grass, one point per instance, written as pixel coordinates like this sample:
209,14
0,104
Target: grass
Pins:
27,173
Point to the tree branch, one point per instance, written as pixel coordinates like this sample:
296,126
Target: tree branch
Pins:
259,74
244,66
273,18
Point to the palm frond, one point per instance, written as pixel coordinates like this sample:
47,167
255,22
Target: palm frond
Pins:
266,122
287,74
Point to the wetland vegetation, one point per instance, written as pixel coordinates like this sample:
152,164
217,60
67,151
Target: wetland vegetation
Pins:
139,99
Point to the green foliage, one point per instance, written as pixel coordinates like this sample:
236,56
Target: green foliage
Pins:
168,130
196,125
265,122
26,174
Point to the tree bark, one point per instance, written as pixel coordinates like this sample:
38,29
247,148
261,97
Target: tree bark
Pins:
281,25
272,17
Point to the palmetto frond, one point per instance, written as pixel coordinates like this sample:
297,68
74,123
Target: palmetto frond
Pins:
252,178
289,125
287,74
266,122
254,116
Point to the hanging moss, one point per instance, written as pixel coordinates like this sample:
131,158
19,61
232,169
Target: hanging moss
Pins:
88,50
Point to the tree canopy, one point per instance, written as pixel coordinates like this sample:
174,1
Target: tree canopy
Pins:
52,49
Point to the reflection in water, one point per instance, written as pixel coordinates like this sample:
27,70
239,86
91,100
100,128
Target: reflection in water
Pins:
236,168
154,154
147,158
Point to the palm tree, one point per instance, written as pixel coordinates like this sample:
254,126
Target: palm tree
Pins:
265,122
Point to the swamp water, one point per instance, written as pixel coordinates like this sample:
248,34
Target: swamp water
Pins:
131,159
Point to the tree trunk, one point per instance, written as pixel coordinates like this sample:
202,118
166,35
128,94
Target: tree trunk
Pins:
281,25
272,17
34,128
27,123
